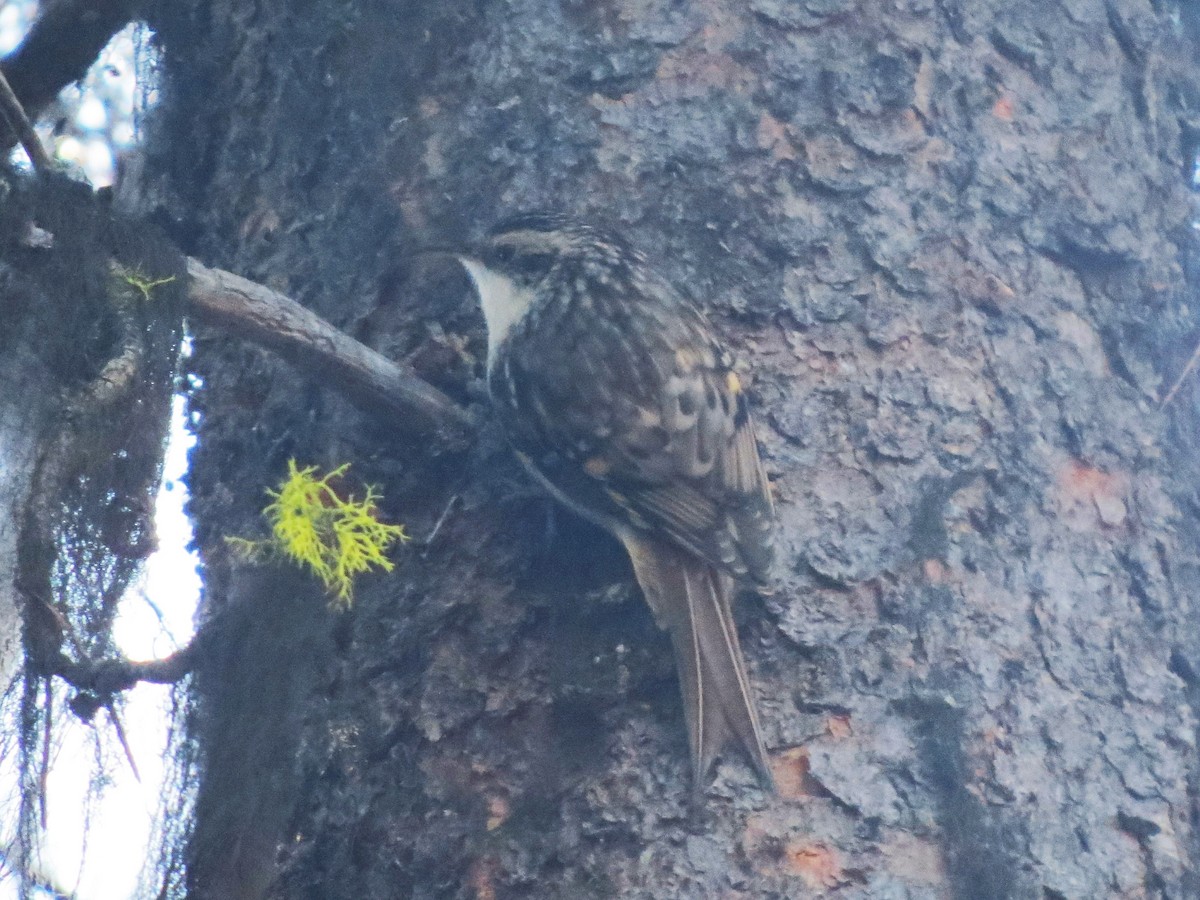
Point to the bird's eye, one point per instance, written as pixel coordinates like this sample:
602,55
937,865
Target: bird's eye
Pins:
519,261
502,254
532,264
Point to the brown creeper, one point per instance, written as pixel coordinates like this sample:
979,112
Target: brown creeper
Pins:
619,400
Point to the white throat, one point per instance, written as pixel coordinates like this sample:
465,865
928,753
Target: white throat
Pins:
504,302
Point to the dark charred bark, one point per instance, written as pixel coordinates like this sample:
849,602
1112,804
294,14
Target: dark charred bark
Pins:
953,243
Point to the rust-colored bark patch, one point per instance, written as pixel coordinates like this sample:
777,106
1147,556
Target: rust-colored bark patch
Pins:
818,865
772,136
935,571
839,726
498,812
482,878
1087,494
1004,109
790,769
793,775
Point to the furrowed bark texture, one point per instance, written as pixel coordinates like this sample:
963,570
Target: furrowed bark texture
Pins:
950,240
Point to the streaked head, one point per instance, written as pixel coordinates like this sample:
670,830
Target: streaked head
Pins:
515,259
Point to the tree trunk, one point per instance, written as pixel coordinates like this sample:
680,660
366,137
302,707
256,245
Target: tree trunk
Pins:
28,399
950,242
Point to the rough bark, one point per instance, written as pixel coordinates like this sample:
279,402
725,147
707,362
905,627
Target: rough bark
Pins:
950,240
28,399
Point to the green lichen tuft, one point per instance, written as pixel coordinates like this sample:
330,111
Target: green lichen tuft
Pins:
139,281
336,538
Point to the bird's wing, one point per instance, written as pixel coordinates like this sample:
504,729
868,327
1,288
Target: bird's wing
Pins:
655,433
707,487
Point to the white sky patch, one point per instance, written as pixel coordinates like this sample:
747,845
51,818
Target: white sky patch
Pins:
15,19
92,114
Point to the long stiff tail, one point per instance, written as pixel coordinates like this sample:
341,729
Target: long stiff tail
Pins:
691,600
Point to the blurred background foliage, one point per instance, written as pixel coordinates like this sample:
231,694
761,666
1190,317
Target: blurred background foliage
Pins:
93,123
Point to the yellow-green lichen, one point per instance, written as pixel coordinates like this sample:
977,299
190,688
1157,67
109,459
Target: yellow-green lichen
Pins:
336,538
139,281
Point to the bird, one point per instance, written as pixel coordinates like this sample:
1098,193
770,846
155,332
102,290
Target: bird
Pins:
619,400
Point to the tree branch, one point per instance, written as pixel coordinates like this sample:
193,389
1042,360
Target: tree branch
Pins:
14,114
300,336
63,42
250,310
111,676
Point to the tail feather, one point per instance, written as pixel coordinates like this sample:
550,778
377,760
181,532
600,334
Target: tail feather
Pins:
691,600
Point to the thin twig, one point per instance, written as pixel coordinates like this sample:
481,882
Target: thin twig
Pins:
428,542
120,729
19,123
162,619
44,775
1187,370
